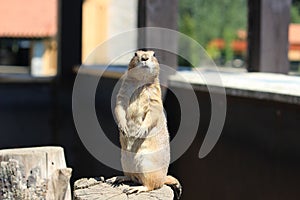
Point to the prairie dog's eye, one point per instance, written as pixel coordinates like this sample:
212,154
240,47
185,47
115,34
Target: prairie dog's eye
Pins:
135,54
153,54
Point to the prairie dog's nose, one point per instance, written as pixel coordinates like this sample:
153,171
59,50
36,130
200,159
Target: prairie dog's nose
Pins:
145,57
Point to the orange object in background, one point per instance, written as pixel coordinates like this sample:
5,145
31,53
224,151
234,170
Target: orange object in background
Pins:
294,40
28,18
240,45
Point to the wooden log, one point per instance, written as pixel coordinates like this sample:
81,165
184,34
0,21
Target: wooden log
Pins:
161,14
86,189
34,173
268,25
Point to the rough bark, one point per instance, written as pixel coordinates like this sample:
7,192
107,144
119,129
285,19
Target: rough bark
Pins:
86,189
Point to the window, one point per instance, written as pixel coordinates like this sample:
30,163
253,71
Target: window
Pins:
219,26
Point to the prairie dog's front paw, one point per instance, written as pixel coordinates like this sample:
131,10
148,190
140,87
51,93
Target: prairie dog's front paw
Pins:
142,132
123,128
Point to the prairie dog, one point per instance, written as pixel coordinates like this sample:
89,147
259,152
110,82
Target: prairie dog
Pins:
144,136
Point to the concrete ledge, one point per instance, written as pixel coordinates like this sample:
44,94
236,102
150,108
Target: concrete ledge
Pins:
268,86
24,78
237,82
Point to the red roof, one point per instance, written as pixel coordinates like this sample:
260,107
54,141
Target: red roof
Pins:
28,18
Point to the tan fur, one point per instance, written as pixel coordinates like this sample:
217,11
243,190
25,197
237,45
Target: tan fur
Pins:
144,135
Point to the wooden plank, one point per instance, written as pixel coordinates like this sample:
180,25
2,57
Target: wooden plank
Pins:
254,15
163,14
268,23
69,38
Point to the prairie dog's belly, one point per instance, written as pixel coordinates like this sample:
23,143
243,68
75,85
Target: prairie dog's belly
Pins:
137,109
135,115
140,156
157,138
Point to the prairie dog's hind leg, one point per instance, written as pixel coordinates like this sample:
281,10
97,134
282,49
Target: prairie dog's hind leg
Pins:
175,185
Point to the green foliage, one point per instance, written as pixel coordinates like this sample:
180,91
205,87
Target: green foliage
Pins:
229,36
213,52
295,12
204,20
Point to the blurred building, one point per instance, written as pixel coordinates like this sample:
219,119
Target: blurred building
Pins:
103,19
28,36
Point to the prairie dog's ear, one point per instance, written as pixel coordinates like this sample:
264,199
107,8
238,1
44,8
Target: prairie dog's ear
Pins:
152,53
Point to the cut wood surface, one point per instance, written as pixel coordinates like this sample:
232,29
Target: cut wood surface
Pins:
86,189
34,173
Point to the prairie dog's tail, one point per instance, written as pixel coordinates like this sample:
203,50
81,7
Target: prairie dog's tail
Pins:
175,185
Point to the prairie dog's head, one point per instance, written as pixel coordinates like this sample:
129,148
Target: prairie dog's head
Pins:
143,65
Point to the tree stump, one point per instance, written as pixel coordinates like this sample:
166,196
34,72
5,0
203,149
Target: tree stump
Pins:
34,174
86,189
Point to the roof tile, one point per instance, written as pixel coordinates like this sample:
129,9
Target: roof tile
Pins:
28,18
